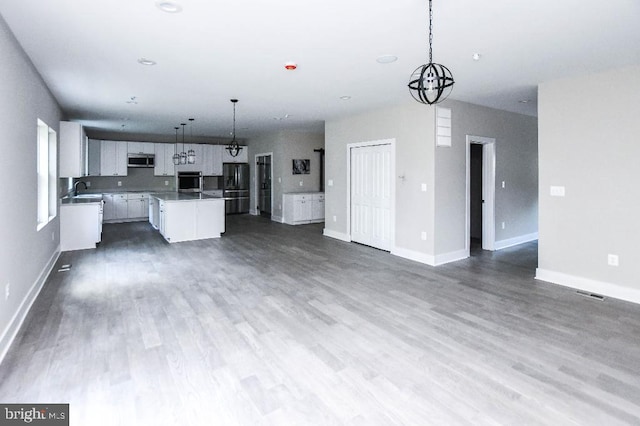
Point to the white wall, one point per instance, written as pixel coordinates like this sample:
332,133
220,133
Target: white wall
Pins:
286,146
441,210
27,254
589,131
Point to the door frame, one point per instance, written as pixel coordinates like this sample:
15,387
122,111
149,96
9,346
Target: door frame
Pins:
256,191
488,192
392,171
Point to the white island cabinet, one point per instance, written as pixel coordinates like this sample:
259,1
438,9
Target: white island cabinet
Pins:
186,217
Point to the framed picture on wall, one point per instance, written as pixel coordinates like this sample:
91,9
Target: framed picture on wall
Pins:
301,167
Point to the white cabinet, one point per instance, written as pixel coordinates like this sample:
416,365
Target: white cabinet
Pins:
162,218
243,156
178,221
301,208
113,158
163,165
115,207
73,150
154,212
137,205
93,157
317,207
212,160
191,220
140,148
80,226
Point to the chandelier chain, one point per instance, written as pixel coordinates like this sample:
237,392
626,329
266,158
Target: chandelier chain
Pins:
430,32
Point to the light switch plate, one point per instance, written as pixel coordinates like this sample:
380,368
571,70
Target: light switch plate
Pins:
330,182
557,191
424,187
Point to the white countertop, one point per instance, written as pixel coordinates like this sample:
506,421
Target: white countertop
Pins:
183,196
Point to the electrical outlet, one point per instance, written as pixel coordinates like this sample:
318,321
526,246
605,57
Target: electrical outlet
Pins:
88,184
424,187
335,218
7,291
613,260
423,236
330,182
279,180
502,225
53,236
166,183
502,184
119,183
301,183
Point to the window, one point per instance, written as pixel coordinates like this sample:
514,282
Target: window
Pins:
47,171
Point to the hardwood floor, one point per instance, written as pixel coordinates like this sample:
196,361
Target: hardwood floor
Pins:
274,324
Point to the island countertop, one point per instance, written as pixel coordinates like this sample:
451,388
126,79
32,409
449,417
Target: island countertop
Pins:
183,196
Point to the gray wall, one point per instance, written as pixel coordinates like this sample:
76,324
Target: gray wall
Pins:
286,146
26,253
589,131
441,210
136,179
516,148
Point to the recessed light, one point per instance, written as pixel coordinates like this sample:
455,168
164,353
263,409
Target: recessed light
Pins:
476,56
386,59
145,61
345,98
169,6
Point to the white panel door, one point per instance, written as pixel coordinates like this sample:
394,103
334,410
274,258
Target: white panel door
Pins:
371,196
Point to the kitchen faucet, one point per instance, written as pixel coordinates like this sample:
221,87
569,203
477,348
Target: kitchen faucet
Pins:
75,187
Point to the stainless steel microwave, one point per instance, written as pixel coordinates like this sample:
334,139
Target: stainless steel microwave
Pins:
141,160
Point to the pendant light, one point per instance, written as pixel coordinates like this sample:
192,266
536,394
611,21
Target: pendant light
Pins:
176,156
431,83
183,155
191,154
233,147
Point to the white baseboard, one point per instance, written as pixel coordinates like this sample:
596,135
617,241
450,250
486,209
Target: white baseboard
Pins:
254,212
337,235
452,256
510,242
278,219
593,286
416,256
10,333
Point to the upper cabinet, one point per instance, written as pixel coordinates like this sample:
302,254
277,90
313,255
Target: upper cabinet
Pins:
140,148
243,156
93,158
163,165
73,150
212,160
113,158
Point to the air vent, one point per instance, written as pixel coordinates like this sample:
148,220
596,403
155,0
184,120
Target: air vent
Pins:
591,295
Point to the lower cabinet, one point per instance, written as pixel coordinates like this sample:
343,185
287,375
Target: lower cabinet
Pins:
125,207
301,208
190,220
80,226
154,212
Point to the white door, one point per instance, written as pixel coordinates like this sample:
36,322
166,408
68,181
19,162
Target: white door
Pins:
371,200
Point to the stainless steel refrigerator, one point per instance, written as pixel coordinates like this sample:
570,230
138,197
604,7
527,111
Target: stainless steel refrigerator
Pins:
236,187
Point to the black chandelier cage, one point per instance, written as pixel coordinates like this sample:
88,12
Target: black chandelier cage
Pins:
233,147
431,83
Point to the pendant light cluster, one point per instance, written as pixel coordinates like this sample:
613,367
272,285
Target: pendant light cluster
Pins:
184,157
431,83
233,147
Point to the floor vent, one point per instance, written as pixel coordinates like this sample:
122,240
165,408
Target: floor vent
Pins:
591,295
64,268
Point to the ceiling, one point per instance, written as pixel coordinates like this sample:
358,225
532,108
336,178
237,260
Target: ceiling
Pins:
212,51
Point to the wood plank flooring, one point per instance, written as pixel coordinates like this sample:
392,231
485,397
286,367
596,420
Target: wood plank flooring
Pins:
278,325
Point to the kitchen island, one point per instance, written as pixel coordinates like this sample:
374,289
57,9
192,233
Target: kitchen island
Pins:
186,217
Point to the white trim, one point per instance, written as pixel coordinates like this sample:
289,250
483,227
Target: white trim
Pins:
278,219
593,286
255,182
253,212
488,192
350,146
452,256
521,239
10,333
337,235
416,256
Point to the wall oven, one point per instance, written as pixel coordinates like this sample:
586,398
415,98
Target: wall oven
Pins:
189,181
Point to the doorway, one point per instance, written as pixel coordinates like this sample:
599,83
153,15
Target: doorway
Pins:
481,176
372,193
264,195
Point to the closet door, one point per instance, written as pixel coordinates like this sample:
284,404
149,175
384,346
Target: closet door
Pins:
371,196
